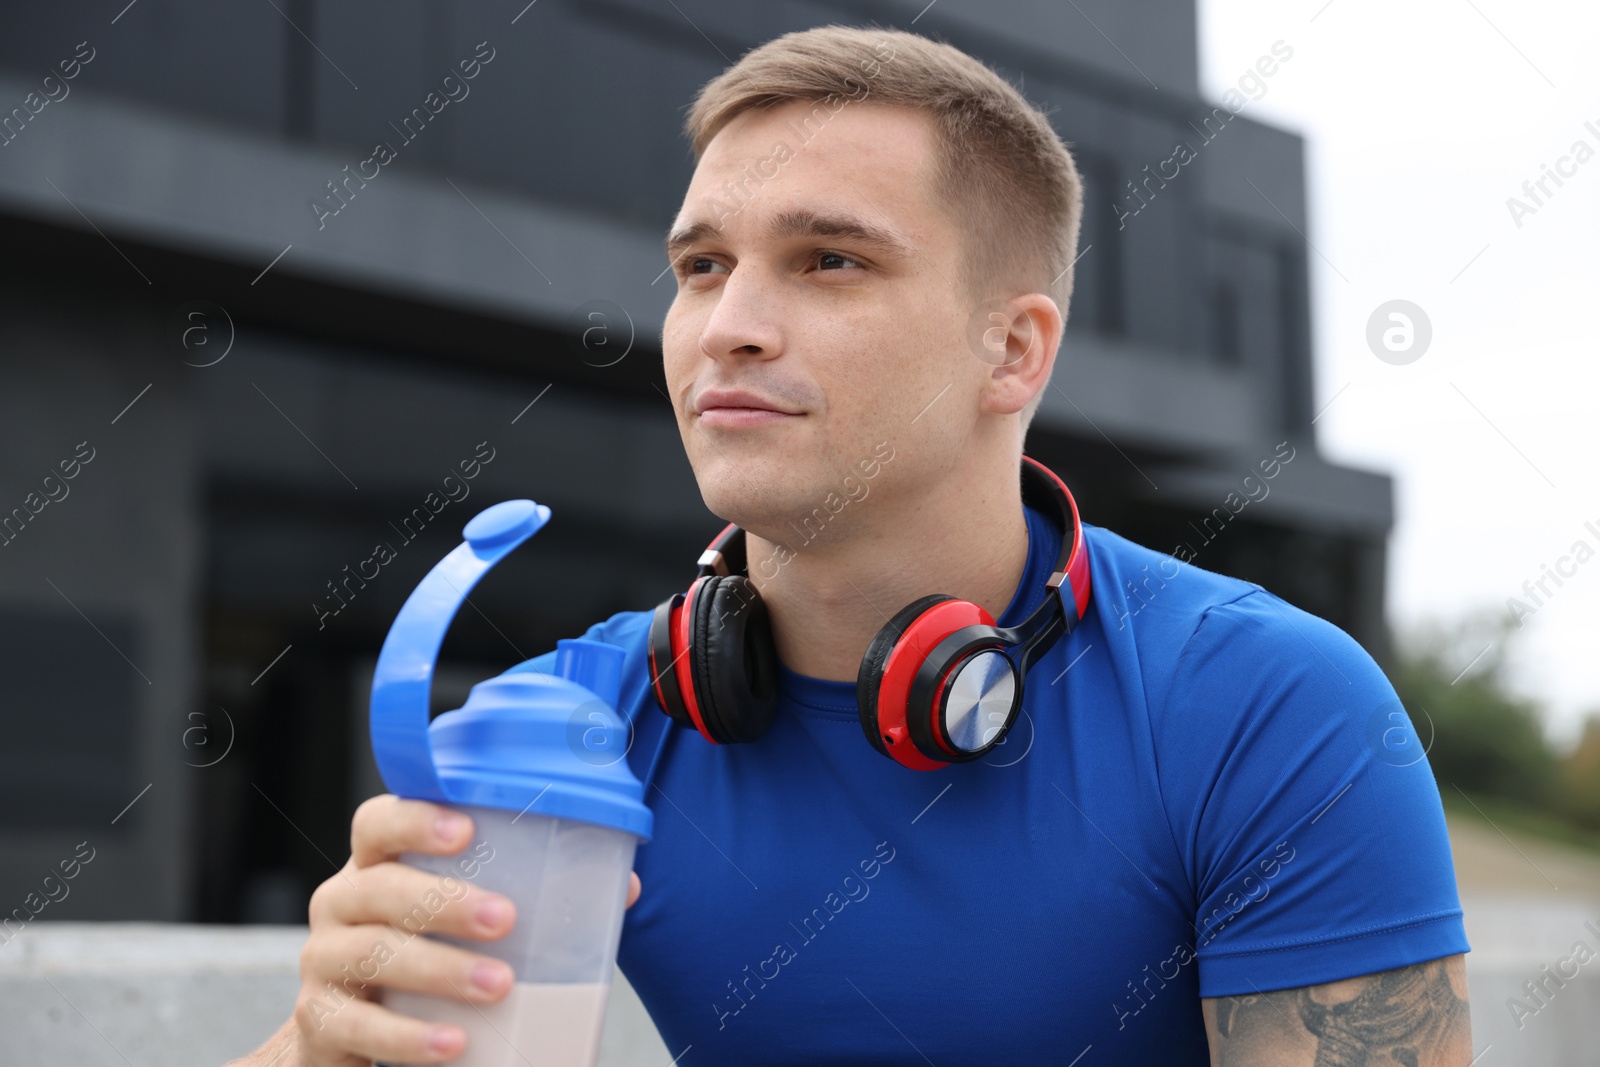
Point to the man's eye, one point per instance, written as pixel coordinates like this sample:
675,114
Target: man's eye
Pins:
698,262
824,258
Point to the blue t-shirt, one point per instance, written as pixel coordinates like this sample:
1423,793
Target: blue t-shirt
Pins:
1211,792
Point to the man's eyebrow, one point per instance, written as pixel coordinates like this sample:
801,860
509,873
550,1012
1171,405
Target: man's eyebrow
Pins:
688,235
803,222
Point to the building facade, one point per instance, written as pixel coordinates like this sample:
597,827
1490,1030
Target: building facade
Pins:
264,347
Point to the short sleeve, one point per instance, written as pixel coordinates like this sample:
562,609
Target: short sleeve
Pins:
1301,800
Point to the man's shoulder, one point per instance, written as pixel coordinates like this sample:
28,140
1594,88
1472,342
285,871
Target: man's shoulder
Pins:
1156,597
1181,618
626,629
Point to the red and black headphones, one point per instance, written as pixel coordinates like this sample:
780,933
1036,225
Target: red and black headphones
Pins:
936,685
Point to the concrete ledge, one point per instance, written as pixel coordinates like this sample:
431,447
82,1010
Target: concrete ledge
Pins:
1523,938
145,993
117,994
170,995
157,995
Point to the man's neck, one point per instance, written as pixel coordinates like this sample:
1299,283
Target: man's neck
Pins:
966,538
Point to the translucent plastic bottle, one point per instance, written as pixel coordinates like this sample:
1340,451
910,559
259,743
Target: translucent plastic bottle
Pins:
536,760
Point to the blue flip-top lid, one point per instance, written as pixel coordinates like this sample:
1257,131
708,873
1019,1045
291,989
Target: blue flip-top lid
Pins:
551,744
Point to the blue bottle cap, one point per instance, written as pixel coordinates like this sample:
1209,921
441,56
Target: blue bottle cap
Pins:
552,744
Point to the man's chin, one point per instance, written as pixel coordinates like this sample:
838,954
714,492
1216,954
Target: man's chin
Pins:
755,496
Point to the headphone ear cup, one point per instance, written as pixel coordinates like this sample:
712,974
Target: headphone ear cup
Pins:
735,662
668,666
870,677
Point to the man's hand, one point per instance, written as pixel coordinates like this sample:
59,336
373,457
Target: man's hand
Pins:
1412,1015
336,1022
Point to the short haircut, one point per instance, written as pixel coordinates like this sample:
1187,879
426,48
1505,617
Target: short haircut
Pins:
1001,168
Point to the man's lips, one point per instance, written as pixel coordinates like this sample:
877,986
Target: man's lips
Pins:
737,399
738,409
731,418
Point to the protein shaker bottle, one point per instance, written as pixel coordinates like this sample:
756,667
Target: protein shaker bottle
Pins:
535,760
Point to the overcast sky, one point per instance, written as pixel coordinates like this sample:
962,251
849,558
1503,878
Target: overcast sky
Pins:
1422,119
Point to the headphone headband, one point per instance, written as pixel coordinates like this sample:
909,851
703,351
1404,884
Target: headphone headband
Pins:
726,554
1072,563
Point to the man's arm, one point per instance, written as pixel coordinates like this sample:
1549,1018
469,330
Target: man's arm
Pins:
1416,1016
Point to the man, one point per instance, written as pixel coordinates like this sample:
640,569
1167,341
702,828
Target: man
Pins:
1197,844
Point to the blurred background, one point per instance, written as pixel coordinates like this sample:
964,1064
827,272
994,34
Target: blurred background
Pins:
240,350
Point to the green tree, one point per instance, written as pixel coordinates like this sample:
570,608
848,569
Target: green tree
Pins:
1579,781
1484,739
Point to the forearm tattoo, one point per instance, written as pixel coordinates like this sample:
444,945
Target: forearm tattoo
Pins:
1412,1016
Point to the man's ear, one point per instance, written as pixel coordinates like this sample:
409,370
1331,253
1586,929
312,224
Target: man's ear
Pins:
1016,338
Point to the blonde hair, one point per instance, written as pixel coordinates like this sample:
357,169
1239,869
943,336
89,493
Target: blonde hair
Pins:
1000,166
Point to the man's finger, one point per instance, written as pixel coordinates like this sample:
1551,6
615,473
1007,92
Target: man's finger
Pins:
374,1032
355,961
385,826
417,902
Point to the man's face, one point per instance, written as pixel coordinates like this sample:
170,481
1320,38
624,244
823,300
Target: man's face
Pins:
824,282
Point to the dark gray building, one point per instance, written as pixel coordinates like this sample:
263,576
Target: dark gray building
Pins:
260,352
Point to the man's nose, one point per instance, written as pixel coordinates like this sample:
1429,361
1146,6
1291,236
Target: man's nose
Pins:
746,319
